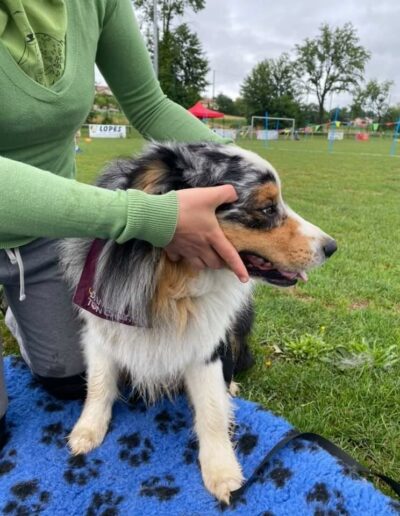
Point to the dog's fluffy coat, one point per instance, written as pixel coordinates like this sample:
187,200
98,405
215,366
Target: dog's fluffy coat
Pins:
184,316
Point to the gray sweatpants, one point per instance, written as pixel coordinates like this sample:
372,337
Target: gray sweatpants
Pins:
44,323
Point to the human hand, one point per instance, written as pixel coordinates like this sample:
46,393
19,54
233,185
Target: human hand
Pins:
199,238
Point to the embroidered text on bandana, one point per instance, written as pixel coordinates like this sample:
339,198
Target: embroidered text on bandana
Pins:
86,296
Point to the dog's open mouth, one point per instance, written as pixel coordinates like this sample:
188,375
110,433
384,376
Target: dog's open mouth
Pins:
263,269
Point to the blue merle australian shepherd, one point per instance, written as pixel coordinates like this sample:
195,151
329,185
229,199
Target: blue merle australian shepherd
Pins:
175,320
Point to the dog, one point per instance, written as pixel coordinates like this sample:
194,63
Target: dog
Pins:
177,320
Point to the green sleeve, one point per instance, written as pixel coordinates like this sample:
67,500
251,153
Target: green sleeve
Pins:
125,64
36,203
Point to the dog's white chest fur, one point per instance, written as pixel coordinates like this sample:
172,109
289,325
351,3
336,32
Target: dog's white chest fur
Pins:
158,357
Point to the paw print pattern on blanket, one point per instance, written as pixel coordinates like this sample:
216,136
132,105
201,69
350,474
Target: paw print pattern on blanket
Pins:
245,439
135,403
26,498
299,445
50,405
234,504
348,471
54,435
135,450
191,452
167,422
155,470
81,470
104,503
275,472
164,489
326,503
7,461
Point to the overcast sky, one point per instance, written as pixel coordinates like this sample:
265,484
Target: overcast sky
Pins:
238,34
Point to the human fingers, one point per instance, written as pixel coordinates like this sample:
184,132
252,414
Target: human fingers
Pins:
222,194
174,257
196,262
212,259
230,256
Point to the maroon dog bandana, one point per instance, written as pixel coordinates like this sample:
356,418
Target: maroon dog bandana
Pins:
86,296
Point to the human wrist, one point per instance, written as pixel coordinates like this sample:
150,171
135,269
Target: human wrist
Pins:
150,217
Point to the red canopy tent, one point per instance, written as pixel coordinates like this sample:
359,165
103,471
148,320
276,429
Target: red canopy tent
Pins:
202,112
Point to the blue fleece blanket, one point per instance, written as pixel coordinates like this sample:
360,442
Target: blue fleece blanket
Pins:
148,465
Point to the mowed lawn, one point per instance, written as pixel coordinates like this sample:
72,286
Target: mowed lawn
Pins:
328,351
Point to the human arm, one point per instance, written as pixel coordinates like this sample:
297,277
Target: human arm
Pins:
125,64
36,203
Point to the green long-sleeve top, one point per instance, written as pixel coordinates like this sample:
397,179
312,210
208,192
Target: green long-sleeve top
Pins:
38,195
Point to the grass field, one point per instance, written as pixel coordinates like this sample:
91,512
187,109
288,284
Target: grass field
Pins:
328,352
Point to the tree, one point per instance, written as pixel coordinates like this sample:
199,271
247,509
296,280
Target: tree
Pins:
373,99
182,64
182,69
308,115
271,87
332,62
226,104
241,107
392,114
167,10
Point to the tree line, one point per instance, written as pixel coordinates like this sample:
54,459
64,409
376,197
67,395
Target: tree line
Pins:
332,62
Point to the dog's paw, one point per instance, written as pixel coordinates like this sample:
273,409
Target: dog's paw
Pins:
222,477
84,439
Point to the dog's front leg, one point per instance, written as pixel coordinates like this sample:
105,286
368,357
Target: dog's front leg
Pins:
213,416
102,377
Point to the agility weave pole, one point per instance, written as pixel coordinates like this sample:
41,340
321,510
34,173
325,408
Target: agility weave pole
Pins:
147,463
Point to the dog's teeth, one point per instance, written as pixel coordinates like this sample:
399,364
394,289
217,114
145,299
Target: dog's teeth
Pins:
303,276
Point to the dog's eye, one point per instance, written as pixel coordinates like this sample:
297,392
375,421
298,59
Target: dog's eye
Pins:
269,210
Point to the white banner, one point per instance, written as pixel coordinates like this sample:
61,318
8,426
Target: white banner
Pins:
225,133
271,134
335,135
107,131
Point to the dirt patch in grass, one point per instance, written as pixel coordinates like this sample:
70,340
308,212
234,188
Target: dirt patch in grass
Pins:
302,296
359,305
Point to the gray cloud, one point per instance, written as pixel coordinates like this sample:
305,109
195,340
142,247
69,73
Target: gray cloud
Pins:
238,34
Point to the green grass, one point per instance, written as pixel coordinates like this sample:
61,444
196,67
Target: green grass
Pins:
327,352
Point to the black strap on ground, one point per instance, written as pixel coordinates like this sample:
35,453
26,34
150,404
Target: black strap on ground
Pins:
334,450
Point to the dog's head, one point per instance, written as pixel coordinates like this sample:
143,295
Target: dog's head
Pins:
275,243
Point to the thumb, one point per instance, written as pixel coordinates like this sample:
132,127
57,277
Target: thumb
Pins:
224,194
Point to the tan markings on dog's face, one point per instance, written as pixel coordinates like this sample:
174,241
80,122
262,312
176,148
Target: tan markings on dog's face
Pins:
268,193
151,178
172,301
285,246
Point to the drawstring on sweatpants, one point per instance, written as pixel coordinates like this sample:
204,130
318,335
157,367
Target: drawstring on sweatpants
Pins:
15,259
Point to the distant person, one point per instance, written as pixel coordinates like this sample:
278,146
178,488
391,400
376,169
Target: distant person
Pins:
77,141
47,59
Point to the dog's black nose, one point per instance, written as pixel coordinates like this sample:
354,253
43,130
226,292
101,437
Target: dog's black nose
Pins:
329,248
